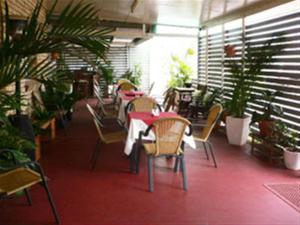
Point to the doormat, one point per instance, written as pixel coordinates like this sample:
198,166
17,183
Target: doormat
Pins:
289,192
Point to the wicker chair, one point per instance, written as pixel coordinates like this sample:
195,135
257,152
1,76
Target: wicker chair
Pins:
97,93
22,177
123,80
213,116
126,86
142,104
107,138
169,134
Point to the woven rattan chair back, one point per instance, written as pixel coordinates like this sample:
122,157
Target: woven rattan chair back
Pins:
121,81
169,133
97,122
143,104
127,86
213,116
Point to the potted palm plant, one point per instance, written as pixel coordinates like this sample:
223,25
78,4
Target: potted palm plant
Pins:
245,74
76,25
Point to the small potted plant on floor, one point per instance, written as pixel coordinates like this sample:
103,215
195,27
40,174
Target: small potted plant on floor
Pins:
291,153
290,142
266,120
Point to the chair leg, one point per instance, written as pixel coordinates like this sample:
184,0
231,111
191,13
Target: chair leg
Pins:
182,162
176,165
212,154
97,151
138,158
28,196
54,210
131,158
150,173
63,122
205,149
94,152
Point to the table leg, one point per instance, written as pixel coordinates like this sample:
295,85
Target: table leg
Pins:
53,129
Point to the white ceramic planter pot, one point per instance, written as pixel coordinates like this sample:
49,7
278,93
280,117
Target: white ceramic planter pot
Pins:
291,159
237,130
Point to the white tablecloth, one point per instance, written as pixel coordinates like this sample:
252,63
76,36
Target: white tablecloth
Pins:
121,113
137,125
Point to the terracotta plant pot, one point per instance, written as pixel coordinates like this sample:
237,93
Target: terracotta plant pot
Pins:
266,127
223,116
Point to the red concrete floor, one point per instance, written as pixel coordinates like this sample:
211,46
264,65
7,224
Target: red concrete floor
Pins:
231,194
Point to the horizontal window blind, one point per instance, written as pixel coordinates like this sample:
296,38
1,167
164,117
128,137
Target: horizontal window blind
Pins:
117,55
283,75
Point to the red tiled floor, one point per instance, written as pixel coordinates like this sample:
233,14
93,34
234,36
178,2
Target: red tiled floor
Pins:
231,194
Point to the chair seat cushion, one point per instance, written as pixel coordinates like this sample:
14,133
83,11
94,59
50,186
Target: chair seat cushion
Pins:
115,137
150,149
18,179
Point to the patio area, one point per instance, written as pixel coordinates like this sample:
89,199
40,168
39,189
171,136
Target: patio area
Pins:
136,112
233,193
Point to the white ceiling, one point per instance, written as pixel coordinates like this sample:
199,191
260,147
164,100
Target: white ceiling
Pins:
172,12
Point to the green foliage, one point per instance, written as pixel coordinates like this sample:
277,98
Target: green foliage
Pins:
284,137
40,115
13,139
244,74
211,97
76,25
180,71
269,108
107,71
206,98
55,99
135,75
7,103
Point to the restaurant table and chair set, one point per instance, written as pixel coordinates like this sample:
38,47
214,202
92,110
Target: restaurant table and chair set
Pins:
146,127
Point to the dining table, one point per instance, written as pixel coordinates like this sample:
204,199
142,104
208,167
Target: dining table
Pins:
139,121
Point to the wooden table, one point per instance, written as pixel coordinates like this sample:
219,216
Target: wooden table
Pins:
261,146
48,124
185,98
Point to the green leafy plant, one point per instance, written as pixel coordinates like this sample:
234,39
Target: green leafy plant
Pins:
107,71
245,74
180,71
135,75
269,108
211,97
284,137
11,138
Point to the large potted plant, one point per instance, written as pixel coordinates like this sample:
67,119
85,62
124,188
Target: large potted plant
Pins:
244,74
266,119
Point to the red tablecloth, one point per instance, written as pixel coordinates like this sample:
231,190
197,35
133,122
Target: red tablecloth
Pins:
132,93
148,118
128,98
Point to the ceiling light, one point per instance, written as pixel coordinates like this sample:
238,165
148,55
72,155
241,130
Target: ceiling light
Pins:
122,40
134,5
